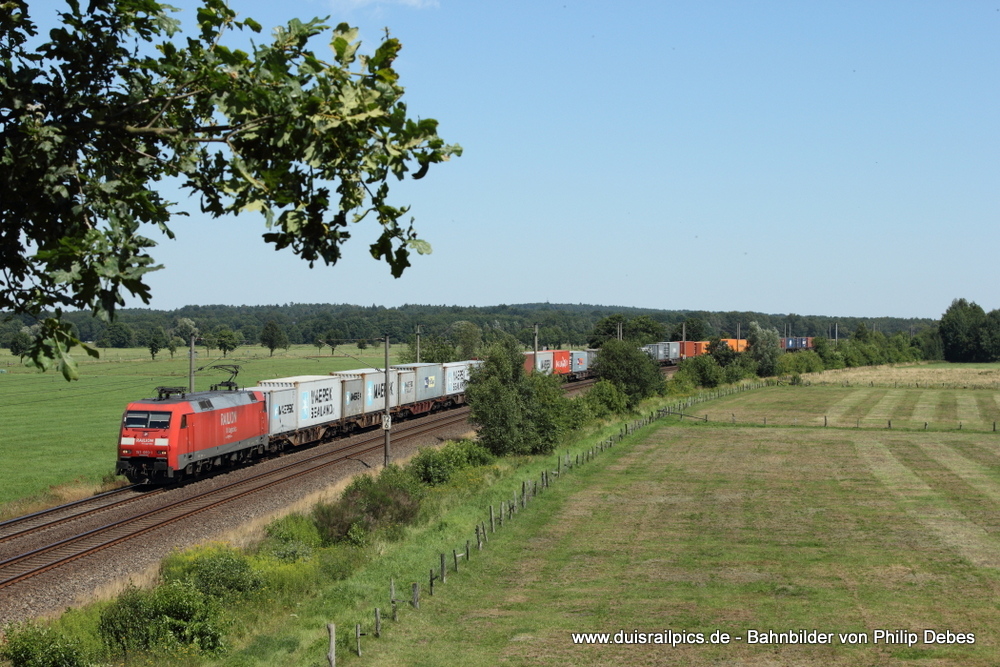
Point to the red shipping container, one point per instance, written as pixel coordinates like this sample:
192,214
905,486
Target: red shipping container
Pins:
561,362
529,362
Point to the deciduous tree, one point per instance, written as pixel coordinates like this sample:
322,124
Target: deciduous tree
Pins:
764,347
115,101
227,340
273,337
630,369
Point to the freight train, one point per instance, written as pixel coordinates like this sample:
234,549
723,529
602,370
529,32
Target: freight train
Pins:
671,353
180,435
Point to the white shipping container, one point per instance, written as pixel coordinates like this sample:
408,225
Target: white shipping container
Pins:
317,397
407,387
543,361
429,380
281,413
457,374
373,387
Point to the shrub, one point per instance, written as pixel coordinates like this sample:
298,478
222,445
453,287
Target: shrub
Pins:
186,616
29,645
605,399
294,528
431,467
174,613
126,624
548,410
292,538
437,466
340,561
219,571
702,371
392,498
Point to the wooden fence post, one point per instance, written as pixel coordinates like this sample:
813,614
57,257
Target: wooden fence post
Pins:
378,623
493,525
357,636
416,595
444,571
331,654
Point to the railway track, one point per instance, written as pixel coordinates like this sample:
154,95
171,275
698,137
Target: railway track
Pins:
37,522
22,567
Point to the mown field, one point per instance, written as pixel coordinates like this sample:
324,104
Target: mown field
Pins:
710,527
928,374
58,438
935,409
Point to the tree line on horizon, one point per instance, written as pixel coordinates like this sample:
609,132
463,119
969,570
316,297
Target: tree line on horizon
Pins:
970,334
559,325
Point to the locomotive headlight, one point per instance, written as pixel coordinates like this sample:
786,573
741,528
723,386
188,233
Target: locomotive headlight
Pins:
126,451
161,452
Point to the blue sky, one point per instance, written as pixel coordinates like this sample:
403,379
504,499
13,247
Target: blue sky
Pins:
817,158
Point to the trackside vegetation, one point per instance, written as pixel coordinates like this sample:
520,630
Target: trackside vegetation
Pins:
840,536
764,358
205,596
528,413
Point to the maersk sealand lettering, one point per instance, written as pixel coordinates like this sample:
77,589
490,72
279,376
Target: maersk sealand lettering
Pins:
325,410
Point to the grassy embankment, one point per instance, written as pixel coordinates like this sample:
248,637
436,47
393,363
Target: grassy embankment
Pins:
58,438
713,527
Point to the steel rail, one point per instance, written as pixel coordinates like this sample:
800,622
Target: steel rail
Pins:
25,566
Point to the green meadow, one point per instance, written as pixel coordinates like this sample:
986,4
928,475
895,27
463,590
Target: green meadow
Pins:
886,541
704,528
58,438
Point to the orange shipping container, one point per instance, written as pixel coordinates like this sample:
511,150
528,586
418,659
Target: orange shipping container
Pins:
693,348
739,345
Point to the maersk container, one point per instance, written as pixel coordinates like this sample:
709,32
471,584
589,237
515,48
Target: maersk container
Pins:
373,388
317,398
281,413
354,394
429,380
406,387
456,376
578,360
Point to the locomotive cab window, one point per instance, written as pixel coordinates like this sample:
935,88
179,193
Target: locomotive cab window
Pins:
147,420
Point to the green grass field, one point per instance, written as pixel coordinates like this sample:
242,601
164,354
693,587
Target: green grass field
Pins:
700,528
864,407
58,438
695,527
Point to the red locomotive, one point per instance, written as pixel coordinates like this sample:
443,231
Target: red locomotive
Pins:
182,434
